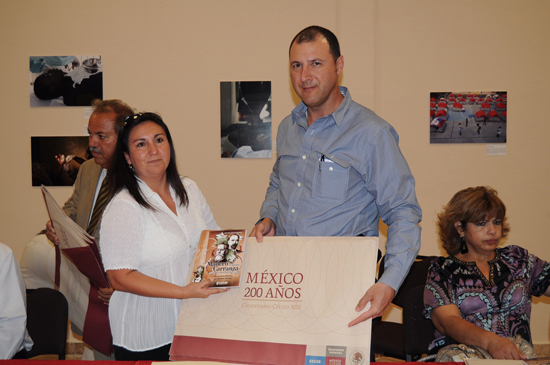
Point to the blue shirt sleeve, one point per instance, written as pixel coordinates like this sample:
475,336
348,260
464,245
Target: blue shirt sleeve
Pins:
390,181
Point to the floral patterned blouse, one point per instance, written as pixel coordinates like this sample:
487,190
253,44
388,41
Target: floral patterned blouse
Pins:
500,304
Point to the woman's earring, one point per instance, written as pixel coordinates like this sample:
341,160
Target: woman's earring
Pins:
463,246
131,167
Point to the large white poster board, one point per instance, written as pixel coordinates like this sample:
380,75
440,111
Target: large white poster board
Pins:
296,298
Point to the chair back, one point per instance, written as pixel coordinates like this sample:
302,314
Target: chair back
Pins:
418,332
390,338
417,276
47,320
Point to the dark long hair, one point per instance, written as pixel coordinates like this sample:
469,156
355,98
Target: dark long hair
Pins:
121,176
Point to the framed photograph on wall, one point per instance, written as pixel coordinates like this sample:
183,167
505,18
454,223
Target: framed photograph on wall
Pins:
245,119
65,80
56,160
468,117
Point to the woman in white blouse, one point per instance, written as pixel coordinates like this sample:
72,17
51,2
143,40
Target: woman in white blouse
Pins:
149,232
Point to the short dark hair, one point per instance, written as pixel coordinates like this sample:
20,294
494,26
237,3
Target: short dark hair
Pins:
310,34
470,205
120,108
121,176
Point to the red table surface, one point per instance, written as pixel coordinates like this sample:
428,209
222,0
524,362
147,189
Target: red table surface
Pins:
83,362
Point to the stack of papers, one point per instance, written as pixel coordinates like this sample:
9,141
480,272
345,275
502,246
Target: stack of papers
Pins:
71,236
79,247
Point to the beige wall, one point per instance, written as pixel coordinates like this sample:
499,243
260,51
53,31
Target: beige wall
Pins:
169,57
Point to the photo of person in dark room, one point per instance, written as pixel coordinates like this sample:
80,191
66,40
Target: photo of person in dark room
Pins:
246,119
56,160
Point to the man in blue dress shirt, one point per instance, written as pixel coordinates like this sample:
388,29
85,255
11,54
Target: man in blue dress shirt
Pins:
339,169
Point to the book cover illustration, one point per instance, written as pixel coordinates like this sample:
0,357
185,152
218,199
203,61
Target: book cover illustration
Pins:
219,256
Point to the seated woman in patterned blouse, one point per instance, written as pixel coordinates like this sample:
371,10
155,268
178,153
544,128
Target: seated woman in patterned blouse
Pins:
481,294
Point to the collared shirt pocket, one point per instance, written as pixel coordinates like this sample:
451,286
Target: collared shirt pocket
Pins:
331,178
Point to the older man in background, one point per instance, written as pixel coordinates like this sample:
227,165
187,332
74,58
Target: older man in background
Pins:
85,207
